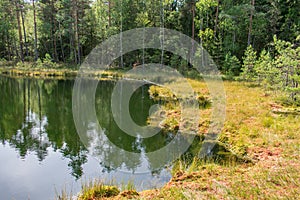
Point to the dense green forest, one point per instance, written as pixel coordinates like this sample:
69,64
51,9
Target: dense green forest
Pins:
68,30
258,39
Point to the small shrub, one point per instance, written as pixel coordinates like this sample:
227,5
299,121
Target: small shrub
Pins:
48,61
39,63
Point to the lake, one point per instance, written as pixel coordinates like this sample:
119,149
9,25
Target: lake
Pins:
41,152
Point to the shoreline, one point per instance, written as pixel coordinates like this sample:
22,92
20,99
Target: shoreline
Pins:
57,73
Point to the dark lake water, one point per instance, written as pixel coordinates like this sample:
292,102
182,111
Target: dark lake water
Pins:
41,152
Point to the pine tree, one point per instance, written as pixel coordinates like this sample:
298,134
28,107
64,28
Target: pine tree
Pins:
287,60
267,73
231,65
249,60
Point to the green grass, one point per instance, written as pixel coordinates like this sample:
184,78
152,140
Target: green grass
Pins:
97,190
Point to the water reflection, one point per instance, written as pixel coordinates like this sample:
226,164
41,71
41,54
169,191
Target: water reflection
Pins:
113,147
36,114
36,123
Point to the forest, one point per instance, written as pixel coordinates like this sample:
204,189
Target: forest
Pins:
258,39
68,30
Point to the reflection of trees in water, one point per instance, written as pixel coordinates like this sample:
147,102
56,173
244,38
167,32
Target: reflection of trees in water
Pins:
129,152
32,137
35,115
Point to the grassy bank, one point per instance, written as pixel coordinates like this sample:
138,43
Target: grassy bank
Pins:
53,70
258,129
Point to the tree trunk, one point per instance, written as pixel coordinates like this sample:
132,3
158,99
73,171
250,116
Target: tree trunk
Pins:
7,41
109,14
24,32
251,21
19,30
15,48
36,53
76,33
193,30
61,43
193,20
77,38
216,20
71,44
53,29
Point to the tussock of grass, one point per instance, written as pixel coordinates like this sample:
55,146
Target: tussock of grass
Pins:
63,195
96,190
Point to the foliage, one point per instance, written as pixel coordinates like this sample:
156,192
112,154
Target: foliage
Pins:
231,65
249,61
267,72
207,39
278,72
68,30
287,60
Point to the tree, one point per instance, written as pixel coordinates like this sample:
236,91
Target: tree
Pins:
249,60
17,5
287,60
217,18
251,21
36,54
8,34
280,72
231,65
268,74
69,29
22,7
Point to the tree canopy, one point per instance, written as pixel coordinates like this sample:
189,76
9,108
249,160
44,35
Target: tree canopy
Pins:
68,30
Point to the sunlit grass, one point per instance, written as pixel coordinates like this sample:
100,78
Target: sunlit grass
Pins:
255,130
97,190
